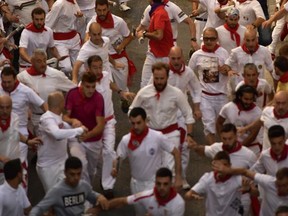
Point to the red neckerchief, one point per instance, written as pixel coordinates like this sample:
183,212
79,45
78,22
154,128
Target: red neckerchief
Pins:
233,33
108,22
245,49
220,178
5,126
99,78
136,139
163,201
278,116
32,27
241,1
245,82
165,2
15,86
6,53
32,71
241,108
180,71
283,155
223,4
235,149
284,78
204,48
71,1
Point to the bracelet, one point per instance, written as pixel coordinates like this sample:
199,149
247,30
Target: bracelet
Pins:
190,135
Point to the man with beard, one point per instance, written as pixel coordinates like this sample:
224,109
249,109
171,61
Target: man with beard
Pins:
162,101
36,35
231,34
242,111
116,29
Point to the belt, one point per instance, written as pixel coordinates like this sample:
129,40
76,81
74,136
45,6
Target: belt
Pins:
201,19
212,94
64,35
109,118
26,4
169,129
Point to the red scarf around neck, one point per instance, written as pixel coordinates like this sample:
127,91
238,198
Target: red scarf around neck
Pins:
99,78
6,125
6,53
204,48
136,139
233,33
221,179
15,86
71,1
283,155
236,148
107,23
241,1
241,108
223,3
163,201
32,71
174,70
245,49
284,78
32,27
278,116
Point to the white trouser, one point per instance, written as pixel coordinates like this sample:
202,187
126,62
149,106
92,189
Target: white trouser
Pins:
87,15
210,106
139,186
23,157
147,67
109,154
199,25
276,34
68,48
50,175
90,155
120,76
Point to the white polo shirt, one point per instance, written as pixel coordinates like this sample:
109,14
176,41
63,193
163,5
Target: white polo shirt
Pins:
175,207
222,198
13,201
89,49
146,159
176,16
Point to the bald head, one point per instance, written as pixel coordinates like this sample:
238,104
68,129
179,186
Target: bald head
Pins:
250,33
95,33
95,27
281,103
176,57
176,50
251,39
5,107
55,100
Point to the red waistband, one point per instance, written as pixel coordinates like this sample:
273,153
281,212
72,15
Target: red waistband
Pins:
109,118
64,35
169,129
212,94
119,55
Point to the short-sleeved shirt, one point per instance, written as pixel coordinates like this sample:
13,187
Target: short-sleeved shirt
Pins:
85,109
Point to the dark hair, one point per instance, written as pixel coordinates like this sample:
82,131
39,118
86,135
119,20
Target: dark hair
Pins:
89,77
250,66
101,2
73,163
276,131
38,10
12,168
282,173
160,66
245,89
281,209
222,155
228,128
283,50
94,58
136,111
164,172
8,71
281,63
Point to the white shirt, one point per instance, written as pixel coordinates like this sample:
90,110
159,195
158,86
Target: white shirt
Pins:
162,112
86,4
225,40
12,201
213,20
89,49
271,201
22,97
54,134
263,88
32,40
243,158
206,64
268,118
116,34
146,159
174,207
266,164
176,16
249,12
222,198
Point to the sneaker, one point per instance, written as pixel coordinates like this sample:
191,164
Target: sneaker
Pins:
185,185
123,7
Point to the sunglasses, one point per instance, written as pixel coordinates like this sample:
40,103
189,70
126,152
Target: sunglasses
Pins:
209,38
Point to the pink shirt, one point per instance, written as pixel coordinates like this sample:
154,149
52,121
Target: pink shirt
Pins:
85,109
